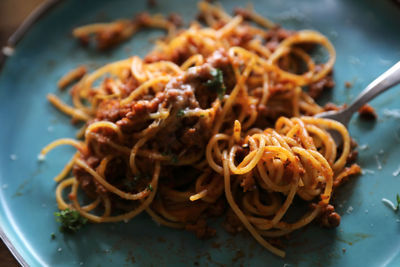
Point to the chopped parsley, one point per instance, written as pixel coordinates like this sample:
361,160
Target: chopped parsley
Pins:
150,187
71,221
217,82
398,201
180,113
173,156
141,176
130,184
53,236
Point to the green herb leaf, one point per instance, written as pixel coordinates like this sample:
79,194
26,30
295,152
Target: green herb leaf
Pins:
180,113
71,221
174,158
169,153
150,187
130,184
398,201
217,82
53,236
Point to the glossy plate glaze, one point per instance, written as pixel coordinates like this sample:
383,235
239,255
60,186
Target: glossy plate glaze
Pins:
367,41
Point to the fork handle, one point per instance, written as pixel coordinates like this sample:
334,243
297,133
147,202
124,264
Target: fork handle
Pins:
388,79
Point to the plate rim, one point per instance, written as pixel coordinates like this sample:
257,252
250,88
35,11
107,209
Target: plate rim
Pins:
24,27
31,19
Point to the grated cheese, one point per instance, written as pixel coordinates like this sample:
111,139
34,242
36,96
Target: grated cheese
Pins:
378,162
394,113
389,203
365,171
8,51
349,209
396,172
363,147
41,157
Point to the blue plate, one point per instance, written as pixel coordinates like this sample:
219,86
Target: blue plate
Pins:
367,40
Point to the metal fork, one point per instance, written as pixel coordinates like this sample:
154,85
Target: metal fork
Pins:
387,80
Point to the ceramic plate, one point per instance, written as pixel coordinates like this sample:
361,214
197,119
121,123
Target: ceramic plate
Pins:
367,41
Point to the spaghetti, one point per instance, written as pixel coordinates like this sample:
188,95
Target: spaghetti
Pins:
213,121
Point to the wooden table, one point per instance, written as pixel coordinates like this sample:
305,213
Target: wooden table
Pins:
12,13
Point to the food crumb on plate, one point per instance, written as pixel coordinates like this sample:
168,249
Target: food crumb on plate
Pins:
389,203
394,113
378,162
348,84
365,171
396,172
41,157
8,51
349,209
363,147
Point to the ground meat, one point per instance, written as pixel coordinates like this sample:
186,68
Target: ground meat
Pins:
232,224
86,181
217,208
175,19
116,170
201,229
142,19
367,112
332,107
110,37
352,157
178,56
197,78
353,143
241,37
110,110
219,59
352,170
328,217
348,85
84,40
129,86
245,13
191,137
275,36
247,183
152,3
315,89
156,56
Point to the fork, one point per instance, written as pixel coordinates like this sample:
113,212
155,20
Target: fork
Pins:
387,80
